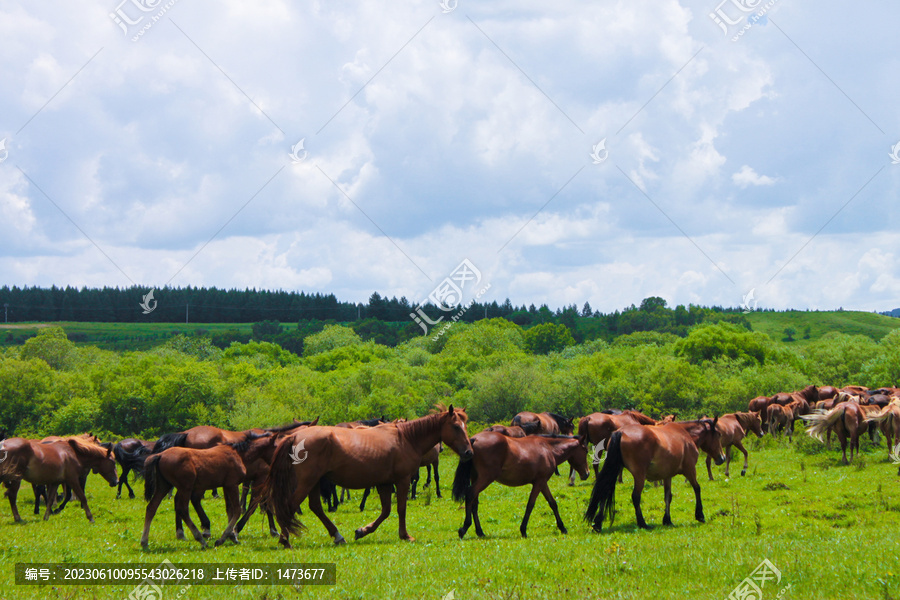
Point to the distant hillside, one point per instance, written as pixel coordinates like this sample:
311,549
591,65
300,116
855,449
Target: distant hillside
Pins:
892,313
773,324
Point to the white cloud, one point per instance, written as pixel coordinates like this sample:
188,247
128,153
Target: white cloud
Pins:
747,176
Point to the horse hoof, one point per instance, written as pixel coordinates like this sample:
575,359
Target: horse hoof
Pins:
273,533
179,535
597,529
744,472
408,538
219,543
339,540
206,533
563,530
131,496
461,533
359,533
145,546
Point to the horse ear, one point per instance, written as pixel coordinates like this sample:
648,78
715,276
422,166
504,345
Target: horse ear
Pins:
315,421
450,410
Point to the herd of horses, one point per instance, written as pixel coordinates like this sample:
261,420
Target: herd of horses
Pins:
281,467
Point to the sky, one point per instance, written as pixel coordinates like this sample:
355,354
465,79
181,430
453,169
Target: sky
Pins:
708,152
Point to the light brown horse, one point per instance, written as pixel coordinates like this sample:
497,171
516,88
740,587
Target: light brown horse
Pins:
545,422
780,420
653,454
509,431
381,457
515,462
845,419
191,472
733,428
66,462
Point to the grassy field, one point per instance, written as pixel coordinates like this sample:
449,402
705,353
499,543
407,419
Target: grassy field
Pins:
829,529
773,324
122,336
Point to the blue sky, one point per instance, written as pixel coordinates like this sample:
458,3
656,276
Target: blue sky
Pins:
758,162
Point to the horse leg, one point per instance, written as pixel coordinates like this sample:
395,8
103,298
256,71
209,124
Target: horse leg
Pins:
384,492
233,510
12,493
182,508
164,488
248,512
75,486
709,467
636,500
215,493
414,483
437,481
691,476
402,487
545,490
528,508
842,438
201,514
121,481
740,447
245,490
667,494
40,491
125,481
362,505
51,498
571,476
315,505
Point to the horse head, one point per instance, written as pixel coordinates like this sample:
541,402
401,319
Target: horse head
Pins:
754,423
454,434
578,460
710,440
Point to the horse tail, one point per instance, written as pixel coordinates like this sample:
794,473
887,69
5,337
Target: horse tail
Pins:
462,481
169,440
133,460
277,489
528,428
823,422
603,496
883,415
152,476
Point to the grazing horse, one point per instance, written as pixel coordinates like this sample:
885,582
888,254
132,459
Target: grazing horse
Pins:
598,427
781,420
50,464
887,420
191,472
515,462
546,422
509,431
131,453
653,454
384,457
733,428
845,419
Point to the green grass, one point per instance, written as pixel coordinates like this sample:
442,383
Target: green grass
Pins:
829,529
773,324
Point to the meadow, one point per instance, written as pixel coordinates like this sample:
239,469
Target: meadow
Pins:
829,529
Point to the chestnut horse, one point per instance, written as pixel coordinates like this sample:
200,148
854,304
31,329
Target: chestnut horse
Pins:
50,464
382,457
781,420
545,422
515,462
653,454
191,472
845,419
733,428
598,427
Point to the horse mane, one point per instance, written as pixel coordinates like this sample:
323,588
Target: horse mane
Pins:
561,421
87,447
373,422
417,427
611,411
289,426
639,417
169,440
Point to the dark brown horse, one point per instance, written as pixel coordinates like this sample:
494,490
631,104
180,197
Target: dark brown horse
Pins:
381,457
131,453
733,428
515,462
51,464
759,405
546,423
509,431
845,419
653,454
191,472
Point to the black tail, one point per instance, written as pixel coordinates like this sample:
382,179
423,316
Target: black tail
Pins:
603,496
528,428
328,491
152,477
462,481
169,440
133,460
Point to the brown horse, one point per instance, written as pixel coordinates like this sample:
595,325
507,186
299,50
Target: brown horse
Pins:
781,420
598,427
888,421
759,405
514,462
845,419
381,457
131,453
545,422
191,472
653,454
733,428
66,462
509,431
